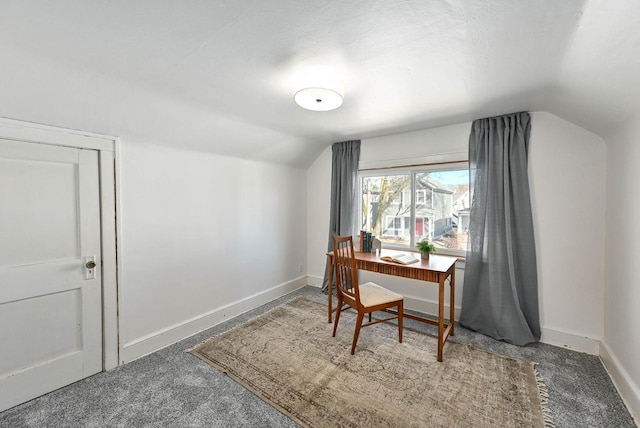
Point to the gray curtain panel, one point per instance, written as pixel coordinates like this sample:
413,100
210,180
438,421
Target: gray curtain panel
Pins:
344,189
500,295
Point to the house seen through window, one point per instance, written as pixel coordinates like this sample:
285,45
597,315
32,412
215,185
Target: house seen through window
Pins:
402,207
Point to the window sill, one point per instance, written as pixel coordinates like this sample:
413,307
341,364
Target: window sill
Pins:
460,263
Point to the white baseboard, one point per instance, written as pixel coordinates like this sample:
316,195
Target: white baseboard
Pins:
315,281
549,336
428,307
574,342
553,337
170,335
629,391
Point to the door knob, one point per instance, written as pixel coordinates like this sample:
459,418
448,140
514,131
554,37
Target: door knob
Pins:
90,267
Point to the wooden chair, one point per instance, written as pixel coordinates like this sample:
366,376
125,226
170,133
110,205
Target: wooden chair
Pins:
364,298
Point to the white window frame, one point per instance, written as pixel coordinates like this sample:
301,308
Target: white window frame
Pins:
411,171
432,194
393,218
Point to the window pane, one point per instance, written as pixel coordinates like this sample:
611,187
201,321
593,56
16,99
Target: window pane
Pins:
386,207
443,216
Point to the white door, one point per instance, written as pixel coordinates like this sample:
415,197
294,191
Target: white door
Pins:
50,301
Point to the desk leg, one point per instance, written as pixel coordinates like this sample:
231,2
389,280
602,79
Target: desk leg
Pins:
452,308
441,316
330,289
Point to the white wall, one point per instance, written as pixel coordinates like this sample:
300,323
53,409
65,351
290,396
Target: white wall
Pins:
203,237
567,173
621,344
567,179
318,197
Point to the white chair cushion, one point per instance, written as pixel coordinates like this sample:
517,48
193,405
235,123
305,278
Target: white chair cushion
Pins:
371,294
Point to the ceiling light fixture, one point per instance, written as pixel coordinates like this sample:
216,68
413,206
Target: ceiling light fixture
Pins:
318,98
319,89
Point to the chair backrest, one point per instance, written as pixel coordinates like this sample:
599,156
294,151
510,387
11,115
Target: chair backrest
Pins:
345,265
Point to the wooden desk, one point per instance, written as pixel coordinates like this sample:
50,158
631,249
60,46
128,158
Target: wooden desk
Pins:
437,269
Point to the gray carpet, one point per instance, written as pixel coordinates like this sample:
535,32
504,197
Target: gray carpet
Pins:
171,388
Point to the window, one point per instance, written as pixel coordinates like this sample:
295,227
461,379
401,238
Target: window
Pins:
402,207
395,226
424,196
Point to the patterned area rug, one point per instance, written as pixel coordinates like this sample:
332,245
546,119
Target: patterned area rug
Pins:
289,359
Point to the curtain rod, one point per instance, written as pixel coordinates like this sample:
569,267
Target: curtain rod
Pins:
413,165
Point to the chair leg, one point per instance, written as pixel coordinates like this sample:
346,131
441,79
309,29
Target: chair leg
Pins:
369,316
400,315
357,332
335,323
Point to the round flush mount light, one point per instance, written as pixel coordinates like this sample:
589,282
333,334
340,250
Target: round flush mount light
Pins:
318,99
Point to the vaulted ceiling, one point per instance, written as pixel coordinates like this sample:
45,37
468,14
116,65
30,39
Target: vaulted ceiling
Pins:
220,75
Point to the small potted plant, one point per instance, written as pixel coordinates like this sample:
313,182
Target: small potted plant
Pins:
426,248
